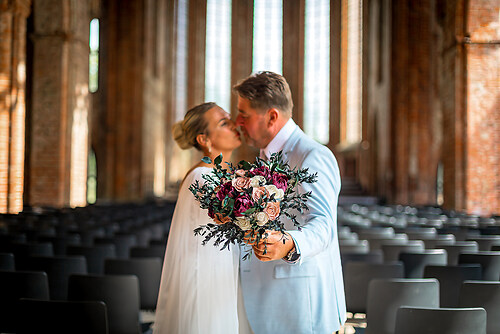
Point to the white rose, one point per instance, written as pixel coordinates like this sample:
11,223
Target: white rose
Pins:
278,193
257,181
243,223
262,218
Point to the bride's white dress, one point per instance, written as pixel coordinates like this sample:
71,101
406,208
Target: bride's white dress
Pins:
200,289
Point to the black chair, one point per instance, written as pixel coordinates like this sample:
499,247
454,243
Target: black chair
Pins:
486,295
489,261
122,243
397,239
440,240
7,239
418,320
371,257
485,243
61,317
354,246
386,296
15,285
421,233
376,233
120,293
22,251
457,248
415,262
95,255
357,277
150,251
391,251
7,262
147,270
59,243
58,269
450,280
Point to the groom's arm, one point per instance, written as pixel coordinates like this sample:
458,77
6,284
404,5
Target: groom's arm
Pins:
320,221
319,228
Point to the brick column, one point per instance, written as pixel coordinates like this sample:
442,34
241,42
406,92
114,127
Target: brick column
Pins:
60,103
13,16
482,49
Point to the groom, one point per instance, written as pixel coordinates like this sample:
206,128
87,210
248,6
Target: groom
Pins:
297,286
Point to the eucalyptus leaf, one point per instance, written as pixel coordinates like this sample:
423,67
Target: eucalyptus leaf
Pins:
218,159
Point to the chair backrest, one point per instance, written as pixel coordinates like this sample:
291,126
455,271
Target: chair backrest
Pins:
385,296
486,242
22,251
59,243
357,276
397,239
421,233
120,293
489,261
122,242
7,262
58,269
95,255
415,262
60,317
15,285
440,240
450,280
147,270
391,251
457,248
354,246
371,257
418,320
485,294
376,233
150,251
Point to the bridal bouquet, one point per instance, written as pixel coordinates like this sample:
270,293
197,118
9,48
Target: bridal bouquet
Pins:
249,199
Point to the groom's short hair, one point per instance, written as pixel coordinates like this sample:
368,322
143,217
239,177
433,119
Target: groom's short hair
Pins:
265,90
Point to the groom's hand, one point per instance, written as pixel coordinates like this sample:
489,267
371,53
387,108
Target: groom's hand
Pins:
274,247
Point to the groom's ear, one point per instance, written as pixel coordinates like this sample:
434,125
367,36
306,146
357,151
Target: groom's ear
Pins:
273,115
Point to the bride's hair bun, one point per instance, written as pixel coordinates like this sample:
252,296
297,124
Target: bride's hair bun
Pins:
193,124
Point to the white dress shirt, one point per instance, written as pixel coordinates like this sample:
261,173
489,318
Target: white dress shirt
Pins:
279,140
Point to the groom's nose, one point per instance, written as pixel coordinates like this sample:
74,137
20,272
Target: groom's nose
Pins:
239,120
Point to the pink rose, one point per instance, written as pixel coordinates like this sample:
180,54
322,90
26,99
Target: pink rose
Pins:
240,172
241,183
224,191
262,170
242,204
273,210
280,181
258,192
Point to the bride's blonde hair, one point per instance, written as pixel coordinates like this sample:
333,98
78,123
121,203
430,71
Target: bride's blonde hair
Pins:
193,124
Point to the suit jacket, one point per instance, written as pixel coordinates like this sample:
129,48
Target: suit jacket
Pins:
307,297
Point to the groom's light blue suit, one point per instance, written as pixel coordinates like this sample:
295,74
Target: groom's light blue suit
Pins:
307,297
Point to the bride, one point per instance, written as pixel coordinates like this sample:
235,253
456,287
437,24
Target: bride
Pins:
200,290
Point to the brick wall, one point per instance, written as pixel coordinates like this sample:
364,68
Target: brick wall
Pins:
483,107
13,16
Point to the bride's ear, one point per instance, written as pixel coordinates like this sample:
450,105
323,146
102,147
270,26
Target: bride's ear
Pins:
202,140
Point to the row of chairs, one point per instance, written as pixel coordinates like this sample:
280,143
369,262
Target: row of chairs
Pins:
116,296
95,255
83,270
386,249
127,286
387,297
